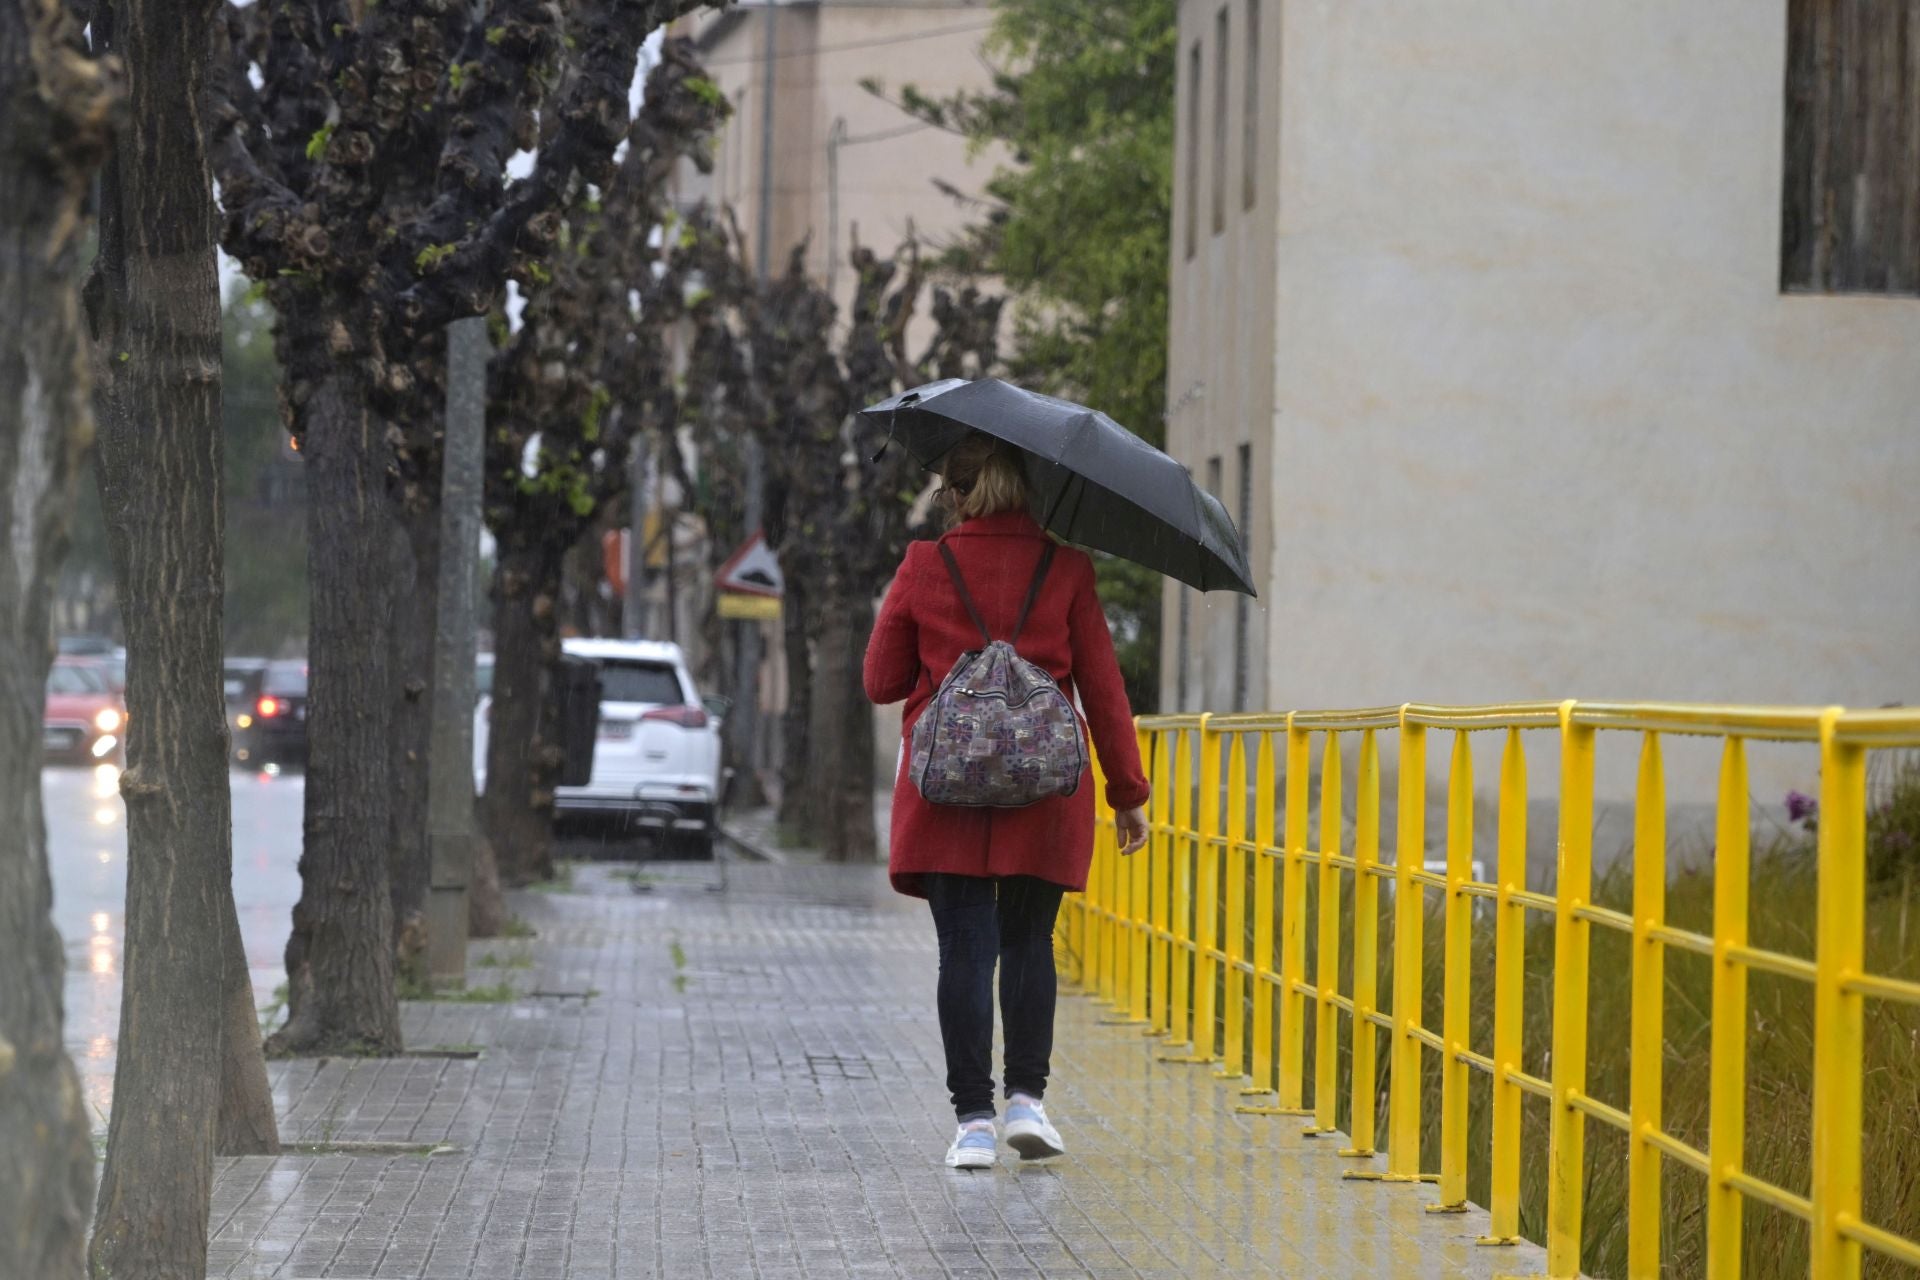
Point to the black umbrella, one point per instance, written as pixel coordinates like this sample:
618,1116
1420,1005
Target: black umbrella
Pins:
1094,482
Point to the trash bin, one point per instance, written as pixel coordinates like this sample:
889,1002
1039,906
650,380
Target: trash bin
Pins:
579,718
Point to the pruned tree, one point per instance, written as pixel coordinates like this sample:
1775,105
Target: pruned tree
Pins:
362,155
587,375
56,112
153,304
838,503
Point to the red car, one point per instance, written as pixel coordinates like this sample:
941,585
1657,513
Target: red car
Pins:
84,719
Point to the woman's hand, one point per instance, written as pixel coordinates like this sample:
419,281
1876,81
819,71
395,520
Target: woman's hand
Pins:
1132,826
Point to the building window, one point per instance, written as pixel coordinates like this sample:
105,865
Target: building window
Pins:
1250,123
1220,121
1243,612
1850,208
1193,149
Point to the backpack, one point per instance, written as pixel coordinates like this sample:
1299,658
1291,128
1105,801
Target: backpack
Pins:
999,733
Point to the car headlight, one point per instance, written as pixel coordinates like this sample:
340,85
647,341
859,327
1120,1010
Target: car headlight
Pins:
245,721
107,720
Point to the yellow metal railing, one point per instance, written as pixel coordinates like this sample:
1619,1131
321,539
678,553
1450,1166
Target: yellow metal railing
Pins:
1153,936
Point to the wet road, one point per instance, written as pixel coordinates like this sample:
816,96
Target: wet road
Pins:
87,847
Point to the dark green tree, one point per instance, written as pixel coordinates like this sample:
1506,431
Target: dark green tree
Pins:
1077,227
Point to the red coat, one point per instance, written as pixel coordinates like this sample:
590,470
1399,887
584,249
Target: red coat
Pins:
922,631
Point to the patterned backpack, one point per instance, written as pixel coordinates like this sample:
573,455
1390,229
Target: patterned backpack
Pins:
999,733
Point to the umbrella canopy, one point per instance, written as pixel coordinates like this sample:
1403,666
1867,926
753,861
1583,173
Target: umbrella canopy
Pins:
1094,482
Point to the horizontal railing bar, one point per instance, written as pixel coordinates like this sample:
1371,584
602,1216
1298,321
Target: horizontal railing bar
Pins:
1780,724
1428,878
1684,939
1381,1020
1868,984
1605,915
1882,1242
1535,901
1601,1111
1773,962
1380,870
1478,889
1158,724
1888,727
1339,1001
1472,1059
1250,722
1505,715
1348,721
1306,989
1337,859
1768,1194
1531,1084
1428,1038
1692,1157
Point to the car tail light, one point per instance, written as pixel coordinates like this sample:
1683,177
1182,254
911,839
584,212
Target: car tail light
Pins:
685,717
268,708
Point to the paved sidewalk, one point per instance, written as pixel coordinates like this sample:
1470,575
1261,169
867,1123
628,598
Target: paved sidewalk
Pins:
747,1083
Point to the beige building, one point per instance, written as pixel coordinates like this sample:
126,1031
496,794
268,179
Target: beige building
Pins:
843,160
1550,350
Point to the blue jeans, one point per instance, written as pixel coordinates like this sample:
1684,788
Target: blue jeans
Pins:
981,921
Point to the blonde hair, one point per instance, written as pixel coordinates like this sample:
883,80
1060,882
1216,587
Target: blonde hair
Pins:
983,477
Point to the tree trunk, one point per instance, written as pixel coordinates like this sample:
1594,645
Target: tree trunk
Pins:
486,905
247,1125
409,864
517,810
796,800
340,988
842,747
53,130
154,300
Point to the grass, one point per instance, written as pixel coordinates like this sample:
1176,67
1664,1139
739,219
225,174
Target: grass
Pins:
515,927
454,993
1779,1052
512,960
562,881
270,1013
678,954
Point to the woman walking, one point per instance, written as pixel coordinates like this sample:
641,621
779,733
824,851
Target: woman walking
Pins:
994,877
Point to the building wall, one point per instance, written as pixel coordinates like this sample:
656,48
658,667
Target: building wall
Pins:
1220,360
878,174
1545,424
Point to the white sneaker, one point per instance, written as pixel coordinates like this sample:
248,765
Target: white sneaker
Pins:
973,1147
1029,1133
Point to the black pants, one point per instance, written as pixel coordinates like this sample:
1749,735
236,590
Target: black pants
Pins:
981,920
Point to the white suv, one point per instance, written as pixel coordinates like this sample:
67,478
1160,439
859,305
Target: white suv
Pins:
656,762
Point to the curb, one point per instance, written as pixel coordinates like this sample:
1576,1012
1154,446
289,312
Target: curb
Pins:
756,850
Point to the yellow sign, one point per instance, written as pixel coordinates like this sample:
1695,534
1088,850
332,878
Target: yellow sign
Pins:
734,604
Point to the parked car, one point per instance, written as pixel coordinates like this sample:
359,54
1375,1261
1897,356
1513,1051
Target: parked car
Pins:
279,728
656,759
240,680
84,718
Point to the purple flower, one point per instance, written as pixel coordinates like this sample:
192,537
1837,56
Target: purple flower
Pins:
1802,808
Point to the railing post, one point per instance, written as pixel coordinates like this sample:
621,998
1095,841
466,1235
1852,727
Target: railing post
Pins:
1646,1042
1326,965
1264,869
1159,865
1727,1126
1139,903
1207,842
1409,910
1567,1153
1366,943
1235,1048
1179,1024
1293,923
1838,1014
1457,980
1509,994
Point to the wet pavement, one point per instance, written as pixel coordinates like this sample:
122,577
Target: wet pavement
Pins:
87,850
722,1071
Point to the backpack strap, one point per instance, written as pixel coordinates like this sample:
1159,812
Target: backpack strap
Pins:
1033,592
966,597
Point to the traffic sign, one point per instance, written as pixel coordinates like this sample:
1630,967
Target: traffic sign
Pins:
752,570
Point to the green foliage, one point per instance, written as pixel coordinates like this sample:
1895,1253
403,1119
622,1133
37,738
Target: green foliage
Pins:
495,35
705,90
432,256
317,144
266,546
516,927
457,76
